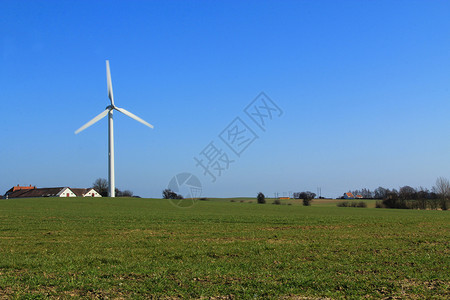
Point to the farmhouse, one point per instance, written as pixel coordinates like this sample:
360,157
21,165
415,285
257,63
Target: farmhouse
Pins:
359,197
349,196
33,192
44,192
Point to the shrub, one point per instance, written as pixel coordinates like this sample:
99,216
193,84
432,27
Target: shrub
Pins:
434,204
362,204
232,200
261,199
379,204
276,201
307,201
393,202
352,204
414,204
203,199
242,201
444,204
169,194
422,203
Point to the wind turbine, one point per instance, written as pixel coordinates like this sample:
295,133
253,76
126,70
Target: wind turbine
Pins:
109,111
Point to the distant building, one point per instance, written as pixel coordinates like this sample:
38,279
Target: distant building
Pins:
33,192
348,196
359,197
19,188
86,192
43,192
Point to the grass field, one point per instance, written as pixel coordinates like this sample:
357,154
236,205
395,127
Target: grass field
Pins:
122,248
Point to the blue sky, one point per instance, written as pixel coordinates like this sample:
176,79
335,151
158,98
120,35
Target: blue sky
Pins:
363,85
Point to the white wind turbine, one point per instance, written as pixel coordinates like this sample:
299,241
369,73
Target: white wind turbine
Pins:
109,111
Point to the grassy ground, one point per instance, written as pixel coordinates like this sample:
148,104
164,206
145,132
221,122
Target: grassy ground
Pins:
148,248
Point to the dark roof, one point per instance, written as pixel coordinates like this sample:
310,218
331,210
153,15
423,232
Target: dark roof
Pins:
45,192
80,192
17,194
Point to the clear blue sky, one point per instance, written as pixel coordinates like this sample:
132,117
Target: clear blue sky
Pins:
364,87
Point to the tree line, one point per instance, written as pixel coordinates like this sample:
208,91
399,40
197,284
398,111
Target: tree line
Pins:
409,197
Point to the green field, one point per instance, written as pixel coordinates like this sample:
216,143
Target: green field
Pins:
141,248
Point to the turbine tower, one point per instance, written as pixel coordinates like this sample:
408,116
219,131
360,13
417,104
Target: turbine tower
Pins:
109,111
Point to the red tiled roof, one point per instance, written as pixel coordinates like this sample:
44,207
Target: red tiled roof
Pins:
19,188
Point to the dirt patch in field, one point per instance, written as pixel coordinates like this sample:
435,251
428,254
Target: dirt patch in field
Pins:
282,241
430,285
232,239
307,227
297,297
6,293
140,231
93,294
135,277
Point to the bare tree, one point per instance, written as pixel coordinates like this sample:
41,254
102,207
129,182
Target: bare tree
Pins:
101,186
380,193
407,193
423,194
367,193
442,188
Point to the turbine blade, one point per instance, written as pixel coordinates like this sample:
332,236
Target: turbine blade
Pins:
133,116
109,83
91,122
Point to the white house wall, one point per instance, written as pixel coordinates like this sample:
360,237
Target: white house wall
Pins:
89,193
65,191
